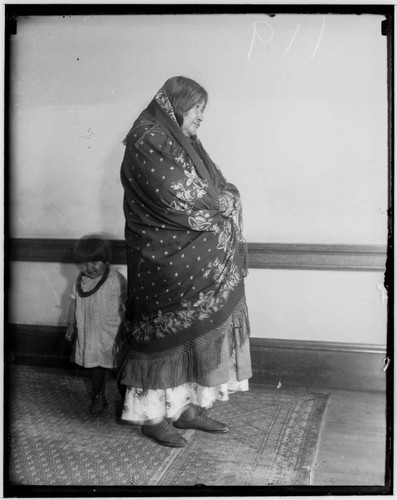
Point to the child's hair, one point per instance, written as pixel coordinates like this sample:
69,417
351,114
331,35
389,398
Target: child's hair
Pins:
92,248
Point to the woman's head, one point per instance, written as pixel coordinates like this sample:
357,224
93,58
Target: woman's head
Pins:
185,94
93,254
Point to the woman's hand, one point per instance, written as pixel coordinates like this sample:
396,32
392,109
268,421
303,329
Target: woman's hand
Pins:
237,205
70,333
226,204
230,205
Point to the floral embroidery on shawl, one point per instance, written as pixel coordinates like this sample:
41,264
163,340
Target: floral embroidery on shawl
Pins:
188,189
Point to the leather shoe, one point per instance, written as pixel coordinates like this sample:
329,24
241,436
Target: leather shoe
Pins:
164,433
199,421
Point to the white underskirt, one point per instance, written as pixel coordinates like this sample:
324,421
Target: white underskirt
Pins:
157,404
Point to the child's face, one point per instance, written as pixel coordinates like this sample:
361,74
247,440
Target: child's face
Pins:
92,269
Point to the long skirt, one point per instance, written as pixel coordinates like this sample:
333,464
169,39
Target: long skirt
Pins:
154,405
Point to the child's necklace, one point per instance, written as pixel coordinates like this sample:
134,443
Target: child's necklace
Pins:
96,287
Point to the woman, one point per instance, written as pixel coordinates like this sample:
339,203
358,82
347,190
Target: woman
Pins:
184,343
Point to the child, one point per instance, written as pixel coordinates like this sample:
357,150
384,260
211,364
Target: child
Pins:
97,307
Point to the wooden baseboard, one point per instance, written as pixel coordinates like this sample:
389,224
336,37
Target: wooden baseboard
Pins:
342,366
37,345
289,362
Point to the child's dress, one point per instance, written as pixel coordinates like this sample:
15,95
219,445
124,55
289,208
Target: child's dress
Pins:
98,318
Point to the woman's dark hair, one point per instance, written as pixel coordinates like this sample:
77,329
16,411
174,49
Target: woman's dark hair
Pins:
92,248
183,94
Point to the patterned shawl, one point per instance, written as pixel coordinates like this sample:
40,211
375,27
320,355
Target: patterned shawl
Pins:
185,253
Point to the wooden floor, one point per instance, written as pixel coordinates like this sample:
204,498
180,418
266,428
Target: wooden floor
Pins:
352,446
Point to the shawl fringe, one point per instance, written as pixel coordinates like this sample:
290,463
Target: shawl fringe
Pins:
187,363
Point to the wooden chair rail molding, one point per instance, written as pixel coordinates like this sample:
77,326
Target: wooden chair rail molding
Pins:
260,255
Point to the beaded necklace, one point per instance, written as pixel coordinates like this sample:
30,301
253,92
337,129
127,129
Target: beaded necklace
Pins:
96,287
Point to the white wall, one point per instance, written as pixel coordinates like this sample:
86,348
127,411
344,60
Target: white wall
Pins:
302,132
298,305
296,118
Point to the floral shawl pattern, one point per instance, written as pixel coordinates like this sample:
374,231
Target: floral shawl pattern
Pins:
185,250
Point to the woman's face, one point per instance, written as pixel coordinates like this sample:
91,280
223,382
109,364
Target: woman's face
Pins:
192,119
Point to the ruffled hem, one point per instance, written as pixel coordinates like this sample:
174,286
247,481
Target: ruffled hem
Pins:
155,405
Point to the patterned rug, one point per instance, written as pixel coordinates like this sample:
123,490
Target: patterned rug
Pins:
53,440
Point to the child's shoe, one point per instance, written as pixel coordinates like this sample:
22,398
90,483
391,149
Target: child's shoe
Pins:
99,403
